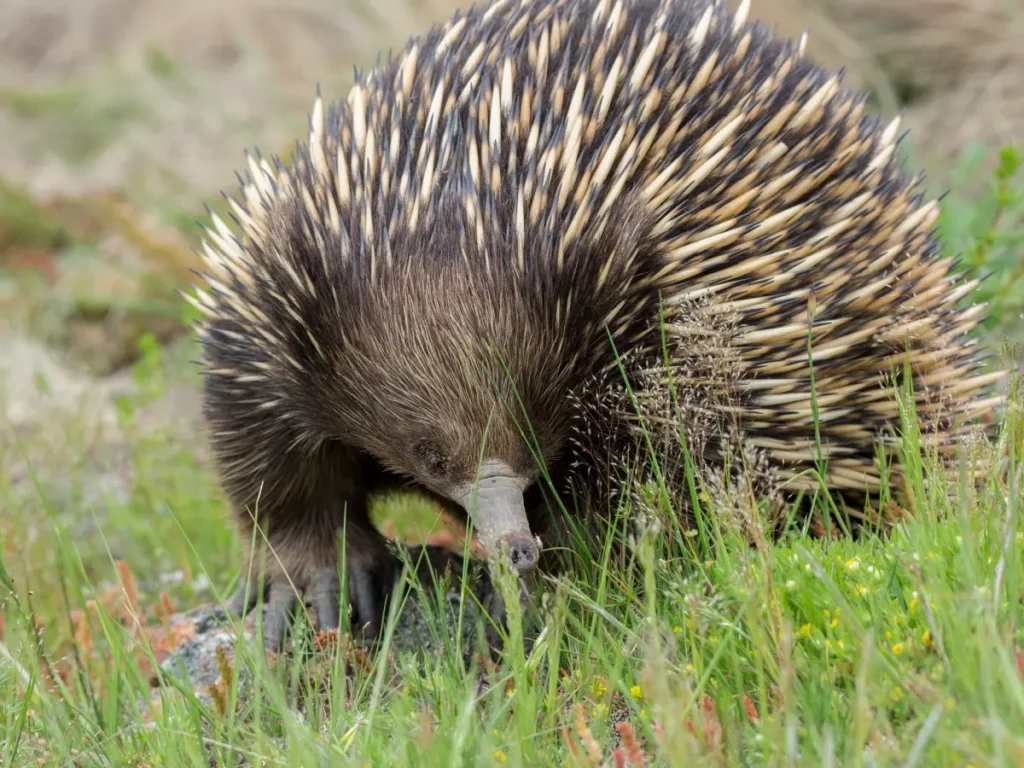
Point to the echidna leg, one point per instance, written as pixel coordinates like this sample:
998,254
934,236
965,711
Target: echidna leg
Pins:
367,562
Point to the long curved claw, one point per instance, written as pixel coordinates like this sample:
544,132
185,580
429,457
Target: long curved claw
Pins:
369,587
281,600
244,600
324,595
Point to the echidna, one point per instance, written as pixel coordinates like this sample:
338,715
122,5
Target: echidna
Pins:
513,205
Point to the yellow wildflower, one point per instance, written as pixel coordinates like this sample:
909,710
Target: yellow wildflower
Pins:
678,630
805,630
500,756
636,692
897,648
897,693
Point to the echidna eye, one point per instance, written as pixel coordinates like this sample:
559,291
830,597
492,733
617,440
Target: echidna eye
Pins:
433,458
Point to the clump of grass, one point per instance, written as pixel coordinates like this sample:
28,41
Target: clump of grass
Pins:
903,647
988,236
77,123
25,224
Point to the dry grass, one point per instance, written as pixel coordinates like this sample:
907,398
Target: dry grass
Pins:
959,63
936,45
168,94
296,38
184,86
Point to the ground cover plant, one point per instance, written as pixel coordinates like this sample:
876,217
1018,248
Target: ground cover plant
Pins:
680,643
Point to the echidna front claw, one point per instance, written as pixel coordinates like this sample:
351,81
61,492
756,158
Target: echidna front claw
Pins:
281,600
323,595
369,585
243,601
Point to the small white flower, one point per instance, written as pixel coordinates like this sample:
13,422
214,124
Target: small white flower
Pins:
200,583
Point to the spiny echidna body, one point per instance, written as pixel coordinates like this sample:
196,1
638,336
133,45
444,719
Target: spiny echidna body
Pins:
510,206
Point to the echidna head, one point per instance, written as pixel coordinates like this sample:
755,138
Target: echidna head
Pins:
449,381
487,476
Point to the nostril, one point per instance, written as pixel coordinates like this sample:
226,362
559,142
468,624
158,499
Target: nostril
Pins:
522,552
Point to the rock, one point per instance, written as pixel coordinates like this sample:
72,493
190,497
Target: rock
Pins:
194,661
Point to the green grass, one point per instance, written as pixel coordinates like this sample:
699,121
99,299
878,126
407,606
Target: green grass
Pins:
24,224
894,648
78,123
987,233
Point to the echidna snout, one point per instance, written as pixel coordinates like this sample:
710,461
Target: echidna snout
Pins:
495,504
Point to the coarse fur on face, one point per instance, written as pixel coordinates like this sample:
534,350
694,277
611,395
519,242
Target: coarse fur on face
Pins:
440,367
517,198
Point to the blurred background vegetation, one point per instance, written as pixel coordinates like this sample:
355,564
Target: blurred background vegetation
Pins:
119,119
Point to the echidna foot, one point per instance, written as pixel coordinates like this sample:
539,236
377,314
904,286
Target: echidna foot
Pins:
280,597
369,585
